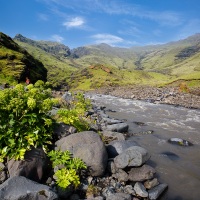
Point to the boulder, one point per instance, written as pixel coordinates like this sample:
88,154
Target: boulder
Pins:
143,173
115,148
21,188
155,192
111,136
119,196
33,166
120,127
140,190
89,147
132,157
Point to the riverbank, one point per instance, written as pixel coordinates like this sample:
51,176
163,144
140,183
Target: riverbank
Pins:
168,95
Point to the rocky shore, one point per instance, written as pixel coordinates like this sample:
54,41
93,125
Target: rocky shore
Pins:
165,95
117,167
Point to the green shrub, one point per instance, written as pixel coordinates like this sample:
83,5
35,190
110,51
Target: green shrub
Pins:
75,114
71,168
24,119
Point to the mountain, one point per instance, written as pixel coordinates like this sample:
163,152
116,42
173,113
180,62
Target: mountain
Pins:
16,63
153,64
54,56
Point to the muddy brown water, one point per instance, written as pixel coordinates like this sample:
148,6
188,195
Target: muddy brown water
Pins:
175,165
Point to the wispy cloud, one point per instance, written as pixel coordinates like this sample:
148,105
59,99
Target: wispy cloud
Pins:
75,22
107,38
43,17
114,7
57,38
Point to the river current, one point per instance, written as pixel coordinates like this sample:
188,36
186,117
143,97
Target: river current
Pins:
178,166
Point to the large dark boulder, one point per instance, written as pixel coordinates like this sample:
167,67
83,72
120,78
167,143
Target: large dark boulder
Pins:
21,188
89,147
34,165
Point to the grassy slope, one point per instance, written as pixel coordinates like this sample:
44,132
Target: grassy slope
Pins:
16,63
58,70
99,78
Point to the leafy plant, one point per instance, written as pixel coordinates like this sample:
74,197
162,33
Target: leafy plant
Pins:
25,122
75,114
71,167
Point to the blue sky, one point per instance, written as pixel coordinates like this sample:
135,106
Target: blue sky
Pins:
123,23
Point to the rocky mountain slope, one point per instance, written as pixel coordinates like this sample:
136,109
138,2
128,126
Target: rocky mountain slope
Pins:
16,63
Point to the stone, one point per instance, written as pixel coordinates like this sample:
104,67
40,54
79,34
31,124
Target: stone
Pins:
62,130
180,142
143,173
155,192
21,188
120,127
151,183
111,167
132,157
87,146
3,175
113,136
140,190
121,175
108,192
119,196
129,189
34,166
115,148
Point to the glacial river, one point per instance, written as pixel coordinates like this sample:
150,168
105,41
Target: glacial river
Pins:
177,166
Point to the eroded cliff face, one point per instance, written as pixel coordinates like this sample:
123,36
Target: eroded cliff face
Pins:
17,63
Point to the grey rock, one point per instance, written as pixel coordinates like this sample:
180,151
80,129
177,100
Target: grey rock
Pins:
119,196
155,192
115,148
111,167
180,142
33,166
151,183
140,190
108,191
121,127
21,188
3,175
143,173
129,189
113,136
62,130
89,147
131,157
121,175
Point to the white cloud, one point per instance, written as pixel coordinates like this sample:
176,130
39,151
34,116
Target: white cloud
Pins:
57,38
107,38
74,22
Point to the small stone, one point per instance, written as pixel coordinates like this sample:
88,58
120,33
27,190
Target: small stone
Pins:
129,189
119,196
155,192
143,173
151,183
140,190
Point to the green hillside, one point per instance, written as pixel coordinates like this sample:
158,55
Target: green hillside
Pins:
58,66
154,65
16,63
